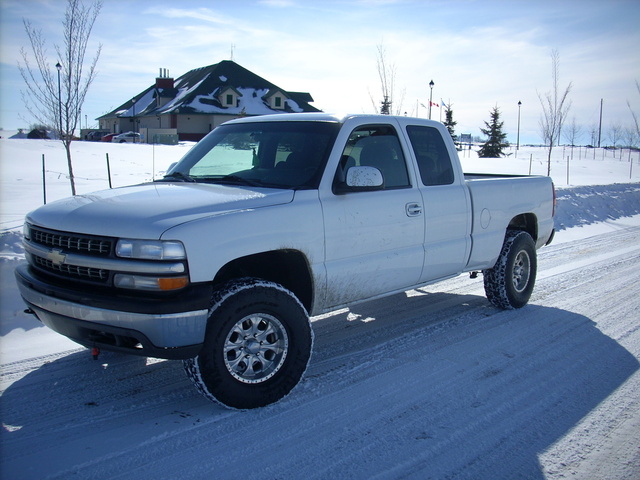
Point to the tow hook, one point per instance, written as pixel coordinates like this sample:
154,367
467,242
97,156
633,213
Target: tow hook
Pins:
95,352
473,275
28,311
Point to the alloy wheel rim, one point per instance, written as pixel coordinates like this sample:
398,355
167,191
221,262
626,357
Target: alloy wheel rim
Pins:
255,348
521,271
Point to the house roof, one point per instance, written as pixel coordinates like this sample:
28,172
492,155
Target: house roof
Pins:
198,91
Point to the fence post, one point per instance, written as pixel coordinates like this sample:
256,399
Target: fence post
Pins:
108,170
44,182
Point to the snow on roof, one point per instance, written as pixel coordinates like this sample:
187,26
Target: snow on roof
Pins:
183,93
250,100
294,106
197,92
139,106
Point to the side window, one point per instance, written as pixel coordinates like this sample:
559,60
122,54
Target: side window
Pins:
431,154
376,146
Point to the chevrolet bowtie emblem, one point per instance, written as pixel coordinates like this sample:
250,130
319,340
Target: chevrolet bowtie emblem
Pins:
56,257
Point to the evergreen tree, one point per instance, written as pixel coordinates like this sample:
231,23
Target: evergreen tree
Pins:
449,123
492,148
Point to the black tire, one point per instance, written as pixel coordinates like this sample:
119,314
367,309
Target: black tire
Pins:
256,348
510,282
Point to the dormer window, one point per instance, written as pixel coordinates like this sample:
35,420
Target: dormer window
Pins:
277,100
229,97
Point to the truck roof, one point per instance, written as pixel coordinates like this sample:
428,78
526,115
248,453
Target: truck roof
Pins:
316,117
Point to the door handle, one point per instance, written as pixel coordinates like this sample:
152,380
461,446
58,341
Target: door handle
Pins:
413,209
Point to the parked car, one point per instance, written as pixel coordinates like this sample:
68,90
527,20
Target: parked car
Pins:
107,138
128,137
95,136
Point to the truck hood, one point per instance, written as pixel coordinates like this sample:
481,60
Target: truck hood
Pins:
147,210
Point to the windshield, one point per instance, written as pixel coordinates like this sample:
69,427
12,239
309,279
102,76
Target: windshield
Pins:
265,154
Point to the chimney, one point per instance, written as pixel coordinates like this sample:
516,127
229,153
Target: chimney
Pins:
163,80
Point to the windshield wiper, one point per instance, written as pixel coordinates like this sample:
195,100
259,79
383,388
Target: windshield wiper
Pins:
179,176
233,180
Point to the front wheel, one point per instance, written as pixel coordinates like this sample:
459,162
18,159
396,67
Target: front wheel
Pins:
257,345
510,282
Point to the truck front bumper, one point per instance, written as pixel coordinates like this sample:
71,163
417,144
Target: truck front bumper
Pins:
176,335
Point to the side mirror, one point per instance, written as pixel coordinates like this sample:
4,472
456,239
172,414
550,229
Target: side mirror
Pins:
364,178
360,179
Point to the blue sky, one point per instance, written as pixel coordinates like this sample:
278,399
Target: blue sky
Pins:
479,53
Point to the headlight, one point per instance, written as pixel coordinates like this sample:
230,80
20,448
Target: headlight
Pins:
26,231
150,249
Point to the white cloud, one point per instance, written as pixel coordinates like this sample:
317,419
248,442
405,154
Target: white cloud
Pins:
277,3
479,54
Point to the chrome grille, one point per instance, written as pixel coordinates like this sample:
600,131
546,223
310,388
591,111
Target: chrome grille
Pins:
85,273
72,242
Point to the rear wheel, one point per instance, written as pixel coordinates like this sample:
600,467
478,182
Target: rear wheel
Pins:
257,345
510,282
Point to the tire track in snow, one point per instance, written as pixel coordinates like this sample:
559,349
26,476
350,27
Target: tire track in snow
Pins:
429,384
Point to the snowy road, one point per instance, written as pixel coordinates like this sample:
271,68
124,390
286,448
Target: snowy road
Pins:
434,383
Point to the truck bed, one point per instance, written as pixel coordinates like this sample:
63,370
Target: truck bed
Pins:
495,201
489,176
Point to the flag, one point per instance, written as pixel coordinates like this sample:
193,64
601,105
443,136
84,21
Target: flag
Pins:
434,104
443,104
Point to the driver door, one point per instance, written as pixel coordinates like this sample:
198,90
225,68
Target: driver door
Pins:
374,239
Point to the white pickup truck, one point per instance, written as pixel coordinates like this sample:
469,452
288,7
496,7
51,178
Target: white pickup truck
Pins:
269,220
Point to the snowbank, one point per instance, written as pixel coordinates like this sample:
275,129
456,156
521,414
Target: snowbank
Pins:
603,186
433,383
579,206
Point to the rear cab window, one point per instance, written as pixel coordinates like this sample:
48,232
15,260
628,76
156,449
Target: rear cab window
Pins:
432,156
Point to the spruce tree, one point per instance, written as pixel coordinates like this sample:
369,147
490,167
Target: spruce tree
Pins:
492,148
449,123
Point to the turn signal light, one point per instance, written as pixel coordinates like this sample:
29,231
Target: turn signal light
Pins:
142,282
172,283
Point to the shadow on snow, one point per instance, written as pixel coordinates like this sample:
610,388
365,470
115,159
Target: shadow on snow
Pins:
430,386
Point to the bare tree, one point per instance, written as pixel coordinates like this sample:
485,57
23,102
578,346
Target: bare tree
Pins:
59,101
634,114
387,74
555,107
630,136
572,133
593,131
615,134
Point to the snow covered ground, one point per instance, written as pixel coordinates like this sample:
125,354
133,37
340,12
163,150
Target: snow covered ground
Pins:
434,383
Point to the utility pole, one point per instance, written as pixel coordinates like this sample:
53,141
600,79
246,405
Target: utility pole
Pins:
518,141
600,127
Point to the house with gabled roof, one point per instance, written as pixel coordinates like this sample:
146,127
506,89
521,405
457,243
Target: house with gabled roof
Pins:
201,99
